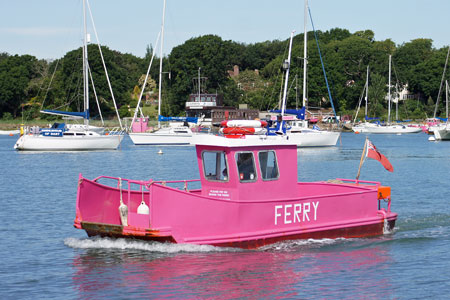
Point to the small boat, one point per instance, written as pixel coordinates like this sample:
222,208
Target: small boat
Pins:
176,133
60,138
249,197
295,126
72,137
377,127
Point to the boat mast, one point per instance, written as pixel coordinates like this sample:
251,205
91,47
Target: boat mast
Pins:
397,97
440,86
85,70
296,92
389,92
305,60
199,68
287,65
446,100
160,63
367,89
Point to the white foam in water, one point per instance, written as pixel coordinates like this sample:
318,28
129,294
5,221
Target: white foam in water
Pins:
124,244
299,243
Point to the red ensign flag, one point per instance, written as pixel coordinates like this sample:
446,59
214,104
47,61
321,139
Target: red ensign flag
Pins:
373,152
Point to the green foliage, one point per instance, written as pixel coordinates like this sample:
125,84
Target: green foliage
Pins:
15,74
7,116
27,84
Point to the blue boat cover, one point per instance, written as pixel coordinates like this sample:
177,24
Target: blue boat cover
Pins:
300,113
177,119
84,114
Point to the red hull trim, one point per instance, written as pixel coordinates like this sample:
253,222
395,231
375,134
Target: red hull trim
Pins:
116,231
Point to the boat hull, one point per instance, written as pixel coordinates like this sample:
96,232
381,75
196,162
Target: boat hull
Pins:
314,138
145,138
30,142
182,216
392,129
442,133
362,231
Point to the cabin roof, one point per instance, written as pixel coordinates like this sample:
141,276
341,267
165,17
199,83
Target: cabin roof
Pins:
242,141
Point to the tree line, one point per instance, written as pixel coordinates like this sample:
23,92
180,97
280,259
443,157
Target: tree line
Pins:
28,84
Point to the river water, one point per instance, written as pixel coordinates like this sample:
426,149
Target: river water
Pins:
44,257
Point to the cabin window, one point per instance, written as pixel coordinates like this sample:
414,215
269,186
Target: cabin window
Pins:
215,166
268,165
68,133
246,166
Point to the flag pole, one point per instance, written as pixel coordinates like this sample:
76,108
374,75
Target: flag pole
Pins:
362,159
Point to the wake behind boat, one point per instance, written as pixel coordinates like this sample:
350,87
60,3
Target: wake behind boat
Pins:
249,197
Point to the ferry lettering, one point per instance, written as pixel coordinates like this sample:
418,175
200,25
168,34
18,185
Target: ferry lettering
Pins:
295,213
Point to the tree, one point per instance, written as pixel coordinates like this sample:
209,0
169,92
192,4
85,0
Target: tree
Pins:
377,93
15,74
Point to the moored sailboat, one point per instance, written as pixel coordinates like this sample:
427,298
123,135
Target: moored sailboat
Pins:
61,137
177,133
296,129
386,128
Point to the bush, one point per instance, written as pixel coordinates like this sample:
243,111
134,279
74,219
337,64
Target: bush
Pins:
7,116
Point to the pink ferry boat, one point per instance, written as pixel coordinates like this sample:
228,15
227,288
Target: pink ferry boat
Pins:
249,197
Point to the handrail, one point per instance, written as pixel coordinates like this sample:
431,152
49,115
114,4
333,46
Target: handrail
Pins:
147,183
376,183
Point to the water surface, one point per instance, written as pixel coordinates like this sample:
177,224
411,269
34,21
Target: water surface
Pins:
44,257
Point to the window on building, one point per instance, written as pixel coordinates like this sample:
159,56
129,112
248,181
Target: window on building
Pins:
246,166
215,165
268,165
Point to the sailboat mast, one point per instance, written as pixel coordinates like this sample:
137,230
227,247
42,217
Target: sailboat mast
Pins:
446,100
389,91
288,66
199,68
305,60
367,89
440,86
160,63
85,70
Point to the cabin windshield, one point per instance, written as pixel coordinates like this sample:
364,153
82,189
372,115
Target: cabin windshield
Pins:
246,166
215,166
268,165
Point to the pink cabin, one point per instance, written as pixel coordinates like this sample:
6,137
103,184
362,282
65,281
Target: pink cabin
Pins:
140,125
249,197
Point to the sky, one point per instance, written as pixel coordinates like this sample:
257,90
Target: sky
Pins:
48,29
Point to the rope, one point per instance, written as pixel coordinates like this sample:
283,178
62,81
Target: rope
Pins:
323,67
